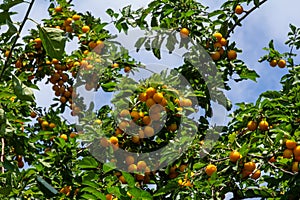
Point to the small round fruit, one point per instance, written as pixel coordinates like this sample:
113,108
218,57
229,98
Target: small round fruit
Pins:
73,135
33,114
252,125
150,102
158,97
173,127
76,17
182,167
98,121
141,165
234,156
115,65
296,151
184,32
218,36
210,169
85,29
287,153
250,166
104,142
146,120
20,164
281,63
38,43
263,125
273,63
52,125
64,136
215,55
238,9
109,197
290,144
122,179
45,124
223,41
135,115
149,131
132,168
295,167
245,173
58,9
114,140
256,174
231,55
135,139
127,69
143,97
150,92
129,160
124,113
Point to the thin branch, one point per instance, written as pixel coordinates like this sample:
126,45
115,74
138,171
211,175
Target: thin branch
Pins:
219,160
243,17
2,154
287,172
16,38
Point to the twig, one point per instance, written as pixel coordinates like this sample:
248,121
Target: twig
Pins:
287,172
243,17
16,38
2,154
219,160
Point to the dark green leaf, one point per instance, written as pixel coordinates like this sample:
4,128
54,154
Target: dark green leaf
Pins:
130,179
88,163
95,192
46,185
22,91
53,41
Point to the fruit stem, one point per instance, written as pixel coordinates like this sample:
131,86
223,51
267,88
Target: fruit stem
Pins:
17,37
243,17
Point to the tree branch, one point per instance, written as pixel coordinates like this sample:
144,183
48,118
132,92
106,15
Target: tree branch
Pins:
16,38
243,17
287,172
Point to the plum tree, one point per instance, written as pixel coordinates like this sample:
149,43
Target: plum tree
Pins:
108,154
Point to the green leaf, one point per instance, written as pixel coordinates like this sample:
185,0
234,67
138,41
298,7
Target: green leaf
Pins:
139,43
114,190
199,165
53,41
88,163
22,91
109,87
139,194
107,167
166,189
271,44
95,192
6,5
46,185
88,196
90,183
130,179
249,74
